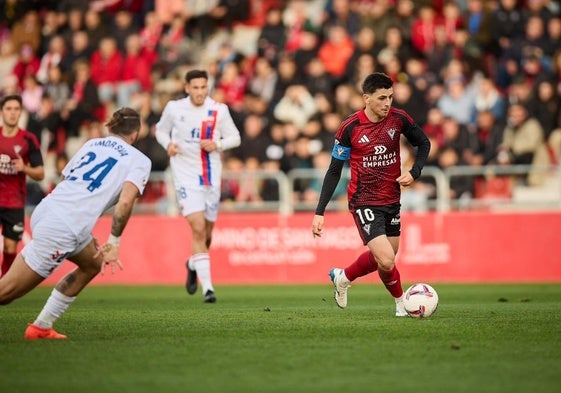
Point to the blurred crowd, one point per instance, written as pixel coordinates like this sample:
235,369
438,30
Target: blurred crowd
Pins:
483,78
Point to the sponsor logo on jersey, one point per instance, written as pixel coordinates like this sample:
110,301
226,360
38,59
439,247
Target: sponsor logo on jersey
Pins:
363,139
381,158
6,166
391,132
366,228
380,149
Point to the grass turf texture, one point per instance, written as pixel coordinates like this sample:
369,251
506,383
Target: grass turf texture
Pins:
483,338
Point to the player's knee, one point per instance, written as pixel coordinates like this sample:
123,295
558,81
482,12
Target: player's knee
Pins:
6,295
386,263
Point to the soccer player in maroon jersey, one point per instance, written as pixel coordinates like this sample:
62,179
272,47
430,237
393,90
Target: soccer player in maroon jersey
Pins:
20,156
369,140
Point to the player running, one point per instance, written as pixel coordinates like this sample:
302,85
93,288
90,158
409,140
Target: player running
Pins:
194,131
369,140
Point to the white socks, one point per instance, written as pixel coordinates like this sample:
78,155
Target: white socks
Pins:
56,305
201,264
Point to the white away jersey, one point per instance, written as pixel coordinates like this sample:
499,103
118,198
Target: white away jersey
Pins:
185,125
93,180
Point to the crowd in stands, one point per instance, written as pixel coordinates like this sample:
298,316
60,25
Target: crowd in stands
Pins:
482,77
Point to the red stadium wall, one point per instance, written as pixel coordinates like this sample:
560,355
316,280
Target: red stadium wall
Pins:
274,249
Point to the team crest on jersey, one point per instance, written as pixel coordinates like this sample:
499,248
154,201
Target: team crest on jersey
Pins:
391,133
366,228
17,149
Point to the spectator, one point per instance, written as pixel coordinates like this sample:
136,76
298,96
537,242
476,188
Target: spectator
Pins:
341,13
8,60
80,49
96,28
31,94
489,97
263,82
123,26
254,139
74,23
523,143
272,38
317,78
394,46
150,35
82,104
490,133
377,16
477,21
57,88
44,124
53,57
27,31
403,17
135,72
422,30
335,51
457,101
106,69
545,107
27,64
296,106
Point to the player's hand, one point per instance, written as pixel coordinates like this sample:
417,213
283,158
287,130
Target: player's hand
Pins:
173,149
208,145
18,164
317,226
109,256
405,180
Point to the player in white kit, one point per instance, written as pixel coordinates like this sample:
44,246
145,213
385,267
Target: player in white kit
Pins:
194,131
105,172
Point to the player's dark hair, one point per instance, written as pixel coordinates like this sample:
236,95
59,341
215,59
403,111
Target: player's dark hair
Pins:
124,121
195,74
375,81
11,97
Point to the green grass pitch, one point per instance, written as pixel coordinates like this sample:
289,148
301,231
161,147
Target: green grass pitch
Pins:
483,338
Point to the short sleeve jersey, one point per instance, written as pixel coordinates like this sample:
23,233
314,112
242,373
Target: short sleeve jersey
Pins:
93,180
185,124
13,184
373,152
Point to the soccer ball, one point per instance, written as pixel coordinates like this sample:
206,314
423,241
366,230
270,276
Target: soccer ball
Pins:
420,301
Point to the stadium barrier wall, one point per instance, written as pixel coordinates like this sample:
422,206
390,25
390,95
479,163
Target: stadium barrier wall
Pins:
270,248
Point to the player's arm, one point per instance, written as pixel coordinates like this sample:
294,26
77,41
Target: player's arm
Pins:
416,136
35,168
163,131
121,215
34,172
229,133
330,181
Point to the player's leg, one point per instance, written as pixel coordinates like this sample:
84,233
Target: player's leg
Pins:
384,250
18,281
66,291
200,259
12,231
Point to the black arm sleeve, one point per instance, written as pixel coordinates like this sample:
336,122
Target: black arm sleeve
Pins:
416,136
329,184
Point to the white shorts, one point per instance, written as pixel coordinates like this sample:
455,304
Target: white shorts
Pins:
201,199
52,242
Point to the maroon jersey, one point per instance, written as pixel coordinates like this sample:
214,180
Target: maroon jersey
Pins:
374,156
12,183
